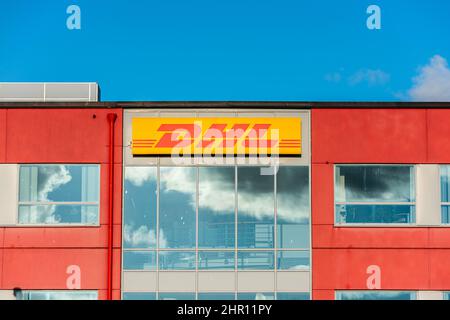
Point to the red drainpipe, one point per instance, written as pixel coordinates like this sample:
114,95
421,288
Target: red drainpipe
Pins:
111,119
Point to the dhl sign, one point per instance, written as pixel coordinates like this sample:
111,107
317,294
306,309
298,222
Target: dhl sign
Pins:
216,136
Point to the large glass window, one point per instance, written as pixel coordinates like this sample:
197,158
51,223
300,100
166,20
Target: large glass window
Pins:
445,194
59,194
58,295
375,295
215,219
375,194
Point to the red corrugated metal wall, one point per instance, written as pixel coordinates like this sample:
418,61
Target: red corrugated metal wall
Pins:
410,258
37,258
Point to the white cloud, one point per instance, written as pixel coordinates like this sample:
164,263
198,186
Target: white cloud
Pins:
369,76
433,81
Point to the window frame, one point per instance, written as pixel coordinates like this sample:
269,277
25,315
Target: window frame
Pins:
76,203
372,224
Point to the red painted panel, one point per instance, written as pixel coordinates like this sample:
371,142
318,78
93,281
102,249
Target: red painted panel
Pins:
105,194
56,237
323,294
345,269
2,135
438,135
368,135
439,238
326,236
1,267
322,195
46,268
439,269
60,135
103,295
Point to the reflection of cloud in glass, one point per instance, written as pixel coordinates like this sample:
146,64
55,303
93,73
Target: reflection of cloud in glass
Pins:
373,183
139,175
142,237
255,199
50,179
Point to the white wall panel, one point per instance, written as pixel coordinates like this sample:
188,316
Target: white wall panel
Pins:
8,193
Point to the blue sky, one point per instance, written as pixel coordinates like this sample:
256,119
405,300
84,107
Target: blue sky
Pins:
232,49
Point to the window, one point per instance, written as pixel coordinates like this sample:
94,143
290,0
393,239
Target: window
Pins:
375,194
256,208
446,296
139,296
177,216
216,208
256,296
292,296
375,295
445,194
176,296
216,296
228,218
59,295
59,194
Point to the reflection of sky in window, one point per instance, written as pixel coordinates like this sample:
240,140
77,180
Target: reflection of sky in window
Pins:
375,183
293,207
256,208
216,208
69,183
140,207
177,207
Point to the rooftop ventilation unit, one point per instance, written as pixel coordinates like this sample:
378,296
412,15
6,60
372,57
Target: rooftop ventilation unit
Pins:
48,91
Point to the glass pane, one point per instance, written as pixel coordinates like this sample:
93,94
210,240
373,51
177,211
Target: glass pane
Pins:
216,218
177,207
58,214
256,296
140,207
174,260
176,296
293,207
375,184
216,296
139,296
445,181
215,260
139,260
293,296
256,260
293,260
381,295
60,295
446,295
59,183
375,214
445,211
255,208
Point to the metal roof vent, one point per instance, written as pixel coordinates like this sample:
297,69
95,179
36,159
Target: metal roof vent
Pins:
48,91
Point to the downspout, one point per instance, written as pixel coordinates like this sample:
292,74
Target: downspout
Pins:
111,119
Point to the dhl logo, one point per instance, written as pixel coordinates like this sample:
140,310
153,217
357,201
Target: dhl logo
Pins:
214,136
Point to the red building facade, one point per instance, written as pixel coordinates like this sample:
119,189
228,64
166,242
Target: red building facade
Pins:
413,257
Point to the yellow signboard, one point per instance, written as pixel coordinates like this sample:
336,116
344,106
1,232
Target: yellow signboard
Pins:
216,136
